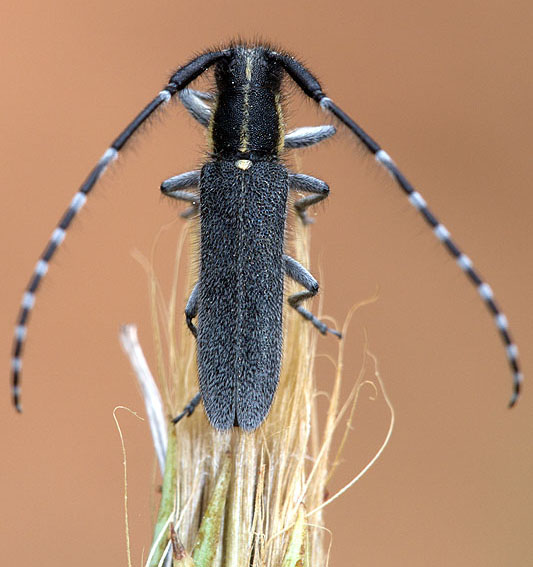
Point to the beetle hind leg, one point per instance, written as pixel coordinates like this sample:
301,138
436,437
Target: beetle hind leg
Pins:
188,410
191,310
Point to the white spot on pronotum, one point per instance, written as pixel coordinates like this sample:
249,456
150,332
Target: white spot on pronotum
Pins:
384,158
519,377
165,96
501,321
441,232
15,389
512,351
78,201
464,262
16,365
20,332
41,268
485,291
58,236
417,200
28,300
243,164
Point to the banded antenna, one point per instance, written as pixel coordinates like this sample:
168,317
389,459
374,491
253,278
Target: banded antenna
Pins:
312,88
178,81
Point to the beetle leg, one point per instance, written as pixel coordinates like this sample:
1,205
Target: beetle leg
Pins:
308,136
174,186
300,275
193,101
301,182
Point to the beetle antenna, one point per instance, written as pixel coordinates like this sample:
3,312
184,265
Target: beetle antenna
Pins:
442,233
178,81
311,87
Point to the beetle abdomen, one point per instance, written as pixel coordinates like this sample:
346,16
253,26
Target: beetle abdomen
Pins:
243,214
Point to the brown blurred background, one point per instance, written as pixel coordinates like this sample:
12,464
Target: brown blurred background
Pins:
446,89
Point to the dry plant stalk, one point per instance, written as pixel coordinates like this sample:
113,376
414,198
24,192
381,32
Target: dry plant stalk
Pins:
237,499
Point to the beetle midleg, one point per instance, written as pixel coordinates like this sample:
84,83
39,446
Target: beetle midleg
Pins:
309,184
299,274
173,188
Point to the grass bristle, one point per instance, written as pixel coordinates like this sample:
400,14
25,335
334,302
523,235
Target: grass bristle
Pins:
247,499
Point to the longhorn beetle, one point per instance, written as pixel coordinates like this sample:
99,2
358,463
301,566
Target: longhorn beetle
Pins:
241,198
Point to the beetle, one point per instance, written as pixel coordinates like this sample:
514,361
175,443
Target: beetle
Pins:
241,196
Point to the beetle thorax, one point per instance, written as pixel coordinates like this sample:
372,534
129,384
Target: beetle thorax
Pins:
247,122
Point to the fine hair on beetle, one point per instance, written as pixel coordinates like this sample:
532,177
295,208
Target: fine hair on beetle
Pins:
241,195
